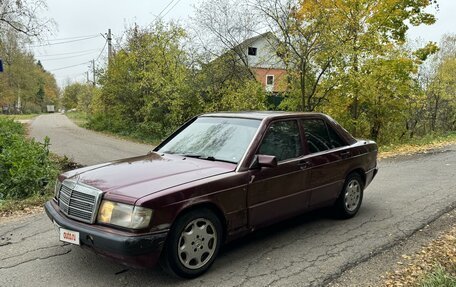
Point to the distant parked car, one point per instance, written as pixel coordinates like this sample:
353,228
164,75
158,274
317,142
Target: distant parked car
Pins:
217,178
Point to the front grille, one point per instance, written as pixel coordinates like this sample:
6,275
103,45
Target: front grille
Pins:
79,202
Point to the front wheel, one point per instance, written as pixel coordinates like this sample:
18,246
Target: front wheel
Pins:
193,244
349,201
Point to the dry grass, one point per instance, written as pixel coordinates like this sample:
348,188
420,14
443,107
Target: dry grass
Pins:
20,117
10,209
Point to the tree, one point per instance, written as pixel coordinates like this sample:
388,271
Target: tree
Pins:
23,16
364,29
220,26
306,49
145,89
71,93
441,86
20,79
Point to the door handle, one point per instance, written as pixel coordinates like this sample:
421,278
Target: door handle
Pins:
345,154
303,164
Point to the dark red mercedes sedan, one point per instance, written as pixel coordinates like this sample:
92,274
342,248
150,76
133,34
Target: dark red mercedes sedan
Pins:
217,178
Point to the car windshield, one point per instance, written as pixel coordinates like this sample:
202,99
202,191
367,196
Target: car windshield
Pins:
214,138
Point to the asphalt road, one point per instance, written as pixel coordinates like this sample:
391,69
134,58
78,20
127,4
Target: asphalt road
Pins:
310,250
83,146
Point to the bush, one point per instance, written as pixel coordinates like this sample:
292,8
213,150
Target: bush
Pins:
25,167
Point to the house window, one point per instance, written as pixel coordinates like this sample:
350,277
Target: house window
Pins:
270,80
252,51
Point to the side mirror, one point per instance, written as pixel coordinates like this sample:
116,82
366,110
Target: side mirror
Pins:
262,160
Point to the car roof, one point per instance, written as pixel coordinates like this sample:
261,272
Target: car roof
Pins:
261,115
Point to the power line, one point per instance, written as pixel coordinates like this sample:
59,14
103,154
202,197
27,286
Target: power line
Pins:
171,8
72,38
158,16
102,50
62,68
65,42
68,57
62,54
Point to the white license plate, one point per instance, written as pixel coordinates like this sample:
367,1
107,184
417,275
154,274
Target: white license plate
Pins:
69,236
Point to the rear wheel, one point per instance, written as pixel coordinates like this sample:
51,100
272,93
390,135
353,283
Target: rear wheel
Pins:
349,201
193,244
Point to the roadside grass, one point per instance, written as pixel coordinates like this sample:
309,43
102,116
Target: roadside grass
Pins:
20,117
439,277
417,145
81,119
12,207
434,265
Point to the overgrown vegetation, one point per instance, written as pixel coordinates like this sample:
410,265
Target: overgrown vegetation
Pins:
349,59
25,167
25,86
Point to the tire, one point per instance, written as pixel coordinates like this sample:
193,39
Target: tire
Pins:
193,244
351,197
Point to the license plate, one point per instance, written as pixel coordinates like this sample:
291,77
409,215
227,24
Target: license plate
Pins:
69,236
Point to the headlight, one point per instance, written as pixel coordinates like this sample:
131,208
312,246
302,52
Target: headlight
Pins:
124,215
57,187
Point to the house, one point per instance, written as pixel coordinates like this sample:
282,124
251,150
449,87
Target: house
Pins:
259,54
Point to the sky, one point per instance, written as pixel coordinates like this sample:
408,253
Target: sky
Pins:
80,25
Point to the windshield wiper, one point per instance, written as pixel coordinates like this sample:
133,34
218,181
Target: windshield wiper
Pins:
192,155
211,158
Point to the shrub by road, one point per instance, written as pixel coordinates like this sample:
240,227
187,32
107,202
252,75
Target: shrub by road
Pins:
26,169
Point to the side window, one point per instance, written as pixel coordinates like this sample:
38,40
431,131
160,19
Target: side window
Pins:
336,140
317,135
282,140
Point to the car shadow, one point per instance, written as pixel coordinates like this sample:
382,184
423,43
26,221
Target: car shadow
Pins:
278,229
237,255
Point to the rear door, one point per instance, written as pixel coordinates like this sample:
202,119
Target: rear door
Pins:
277,193
328,157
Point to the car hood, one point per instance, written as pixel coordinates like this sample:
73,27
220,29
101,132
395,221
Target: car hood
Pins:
140,176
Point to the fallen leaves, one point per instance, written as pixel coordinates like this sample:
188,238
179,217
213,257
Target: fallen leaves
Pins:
413,268
413,149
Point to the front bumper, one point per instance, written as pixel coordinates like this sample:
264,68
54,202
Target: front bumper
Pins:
140,251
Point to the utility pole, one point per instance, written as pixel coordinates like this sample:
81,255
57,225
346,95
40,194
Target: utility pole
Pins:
87,74
109,46
93,71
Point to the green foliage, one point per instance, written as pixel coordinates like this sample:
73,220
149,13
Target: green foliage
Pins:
439,277
345,58
144,91
373,75
23,78
78,96
25,167
226,85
